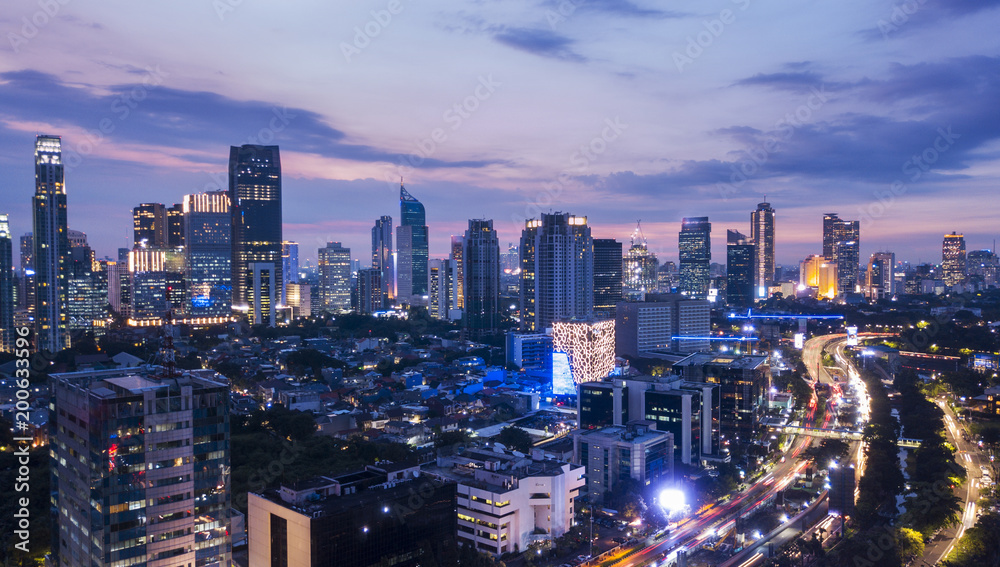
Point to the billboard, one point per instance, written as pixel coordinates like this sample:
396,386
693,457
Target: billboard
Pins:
852,336
562,377
800,340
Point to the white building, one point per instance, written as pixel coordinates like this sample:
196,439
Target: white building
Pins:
503,499
636,451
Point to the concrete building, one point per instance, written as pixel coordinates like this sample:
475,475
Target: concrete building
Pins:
664,322
507,501
140,470
530,351
636,450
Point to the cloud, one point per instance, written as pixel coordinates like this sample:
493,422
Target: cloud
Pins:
148,114
544,43
910,16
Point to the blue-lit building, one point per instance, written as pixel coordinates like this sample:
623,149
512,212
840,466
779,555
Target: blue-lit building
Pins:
636,450
412,252
208,267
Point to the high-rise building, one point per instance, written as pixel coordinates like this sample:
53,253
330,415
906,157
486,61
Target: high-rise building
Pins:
695,246
383,258
265,293
663,322
608,277
289,267
820,274
442,290
88,290
140,470
741,269
51,247
557,271
371,292
842,245
984,267
762,237
335,277
255,205
175,226
481,275
156,284
639,266
208,255
299,299
953,264
26,297
6,285
880,278
457,251
412,250
149,226
613,454
116,274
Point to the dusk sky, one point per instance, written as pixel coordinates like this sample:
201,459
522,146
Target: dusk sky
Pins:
615,110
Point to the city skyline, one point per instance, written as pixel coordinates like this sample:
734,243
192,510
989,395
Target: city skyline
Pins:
672,121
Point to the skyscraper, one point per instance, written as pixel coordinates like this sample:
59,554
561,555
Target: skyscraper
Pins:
557,271
607,277
370,291
842,244
481,274
880,278
639,266
457,244
6,285
26,299
175,226
51,247
382,257
695,247
149,225
741,267
208,255
255,205
412,250
289,267
87,288
442,289
953,262
265,293
140,470
335,277
762,237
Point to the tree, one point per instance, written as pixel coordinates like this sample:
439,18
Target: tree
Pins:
909,543
515,438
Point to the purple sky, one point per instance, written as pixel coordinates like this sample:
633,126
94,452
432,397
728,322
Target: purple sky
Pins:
616,110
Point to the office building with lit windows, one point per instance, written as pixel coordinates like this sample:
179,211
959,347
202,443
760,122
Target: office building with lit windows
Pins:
383,257
818,273
149,226
695,247
140,470
762,237
741,266
265,291
289,268
50,256
386,514
880,279
608,277
255,207
334,277
6,285
635,450
208,255
442,290
664,322
479,279
557,271
954,267
842,246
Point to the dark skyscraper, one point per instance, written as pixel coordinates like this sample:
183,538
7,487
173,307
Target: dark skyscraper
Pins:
762,237
695,246
255,202
412,250
741,263
607,277
481,271
175,226
382,259
842,244
149,225
51,243
6,285
557,271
